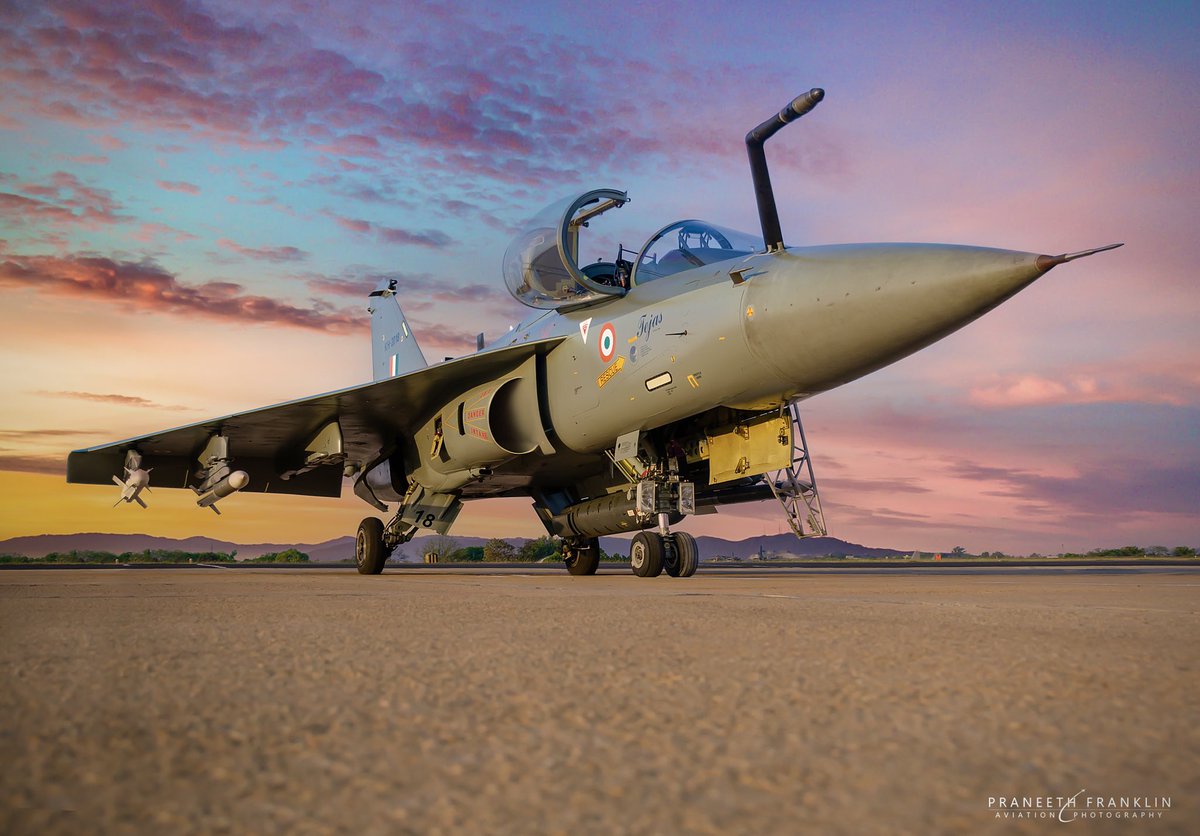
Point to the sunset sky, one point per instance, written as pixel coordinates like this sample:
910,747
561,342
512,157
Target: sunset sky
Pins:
195,196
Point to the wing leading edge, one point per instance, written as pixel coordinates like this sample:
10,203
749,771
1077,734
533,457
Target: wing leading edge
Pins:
271,443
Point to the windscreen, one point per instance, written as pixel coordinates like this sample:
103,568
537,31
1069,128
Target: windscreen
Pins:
686,244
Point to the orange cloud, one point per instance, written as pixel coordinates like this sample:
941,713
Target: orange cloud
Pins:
53,465
123,400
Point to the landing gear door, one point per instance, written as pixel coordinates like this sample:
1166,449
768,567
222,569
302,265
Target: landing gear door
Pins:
750,448
434,512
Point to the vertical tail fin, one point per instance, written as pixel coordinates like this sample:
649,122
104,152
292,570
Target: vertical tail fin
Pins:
394,349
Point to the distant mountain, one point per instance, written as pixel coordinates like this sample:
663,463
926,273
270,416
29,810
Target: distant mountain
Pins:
43,544
342,548
789,544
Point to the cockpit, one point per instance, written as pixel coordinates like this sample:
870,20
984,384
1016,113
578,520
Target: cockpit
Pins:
542,269
686,244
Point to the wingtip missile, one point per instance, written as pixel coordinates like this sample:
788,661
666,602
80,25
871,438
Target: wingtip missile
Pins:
1046,262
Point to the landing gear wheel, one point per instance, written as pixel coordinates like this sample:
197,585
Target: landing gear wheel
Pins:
670,555
582,556
686,556
646,554
369,552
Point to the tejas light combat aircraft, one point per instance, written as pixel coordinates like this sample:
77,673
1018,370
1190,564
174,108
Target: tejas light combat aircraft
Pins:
642,390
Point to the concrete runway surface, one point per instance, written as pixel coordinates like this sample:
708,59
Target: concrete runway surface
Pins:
246,701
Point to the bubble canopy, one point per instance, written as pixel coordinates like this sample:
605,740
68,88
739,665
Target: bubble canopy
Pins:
541,265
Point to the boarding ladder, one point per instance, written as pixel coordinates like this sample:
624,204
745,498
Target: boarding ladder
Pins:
796,488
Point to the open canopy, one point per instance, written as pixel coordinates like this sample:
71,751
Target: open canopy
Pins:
542,269
541,265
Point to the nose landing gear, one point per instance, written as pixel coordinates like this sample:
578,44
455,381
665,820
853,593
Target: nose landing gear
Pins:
646,552
683,556
651,552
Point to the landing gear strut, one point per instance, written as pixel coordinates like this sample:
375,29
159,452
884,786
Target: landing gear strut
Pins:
581,555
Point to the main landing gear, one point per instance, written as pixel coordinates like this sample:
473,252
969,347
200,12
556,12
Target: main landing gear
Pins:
370,553
650,553
582,555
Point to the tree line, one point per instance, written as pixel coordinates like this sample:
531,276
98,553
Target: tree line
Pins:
548,549
1122,551
155,556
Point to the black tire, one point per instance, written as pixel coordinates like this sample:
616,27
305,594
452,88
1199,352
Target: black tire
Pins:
369,552
583,556
687,555
670,556
646,554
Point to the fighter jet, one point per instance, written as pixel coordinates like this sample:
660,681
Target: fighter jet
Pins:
639,391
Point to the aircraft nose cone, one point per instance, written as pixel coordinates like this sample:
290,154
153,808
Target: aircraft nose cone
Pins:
822,316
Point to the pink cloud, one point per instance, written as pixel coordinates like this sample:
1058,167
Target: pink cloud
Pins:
393,235
62,200
424,238
451,340
418,290
275,254
86,159
148,287
512,110
353,145
178,186
1017,390
111,143
1140,487
148,232
352,224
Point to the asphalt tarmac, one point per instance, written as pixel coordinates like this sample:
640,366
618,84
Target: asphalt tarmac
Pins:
260,701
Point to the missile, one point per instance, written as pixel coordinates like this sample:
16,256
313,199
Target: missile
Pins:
131,489
232,483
